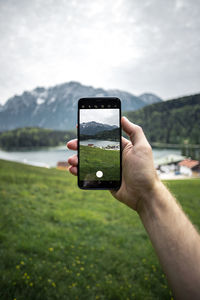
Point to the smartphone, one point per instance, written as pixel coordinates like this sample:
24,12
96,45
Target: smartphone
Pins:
99,143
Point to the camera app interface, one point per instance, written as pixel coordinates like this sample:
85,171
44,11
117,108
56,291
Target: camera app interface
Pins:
99,138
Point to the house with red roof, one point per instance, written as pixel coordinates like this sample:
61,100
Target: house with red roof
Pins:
189,166
62,165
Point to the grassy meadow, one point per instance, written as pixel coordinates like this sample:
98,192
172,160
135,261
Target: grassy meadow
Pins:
94,159
59,242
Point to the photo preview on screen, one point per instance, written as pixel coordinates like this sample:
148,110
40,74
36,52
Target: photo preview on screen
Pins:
99,145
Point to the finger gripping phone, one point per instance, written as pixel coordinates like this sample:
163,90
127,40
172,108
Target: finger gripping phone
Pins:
99,143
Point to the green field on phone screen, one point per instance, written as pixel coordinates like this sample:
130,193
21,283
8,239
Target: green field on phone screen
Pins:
97,159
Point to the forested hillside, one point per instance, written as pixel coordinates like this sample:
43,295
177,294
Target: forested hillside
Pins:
33,137
174,121
108,135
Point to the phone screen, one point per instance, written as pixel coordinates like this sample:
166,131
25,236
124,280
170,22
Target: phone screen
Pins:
99,148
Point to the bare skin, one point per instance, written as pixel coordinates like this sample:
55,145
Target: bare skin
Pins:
176,241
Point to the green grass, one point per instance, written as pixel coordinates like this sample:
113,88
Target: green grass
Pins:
59,242
94,159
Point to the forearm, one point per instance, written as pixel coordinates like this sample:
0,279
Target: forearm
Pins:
175,240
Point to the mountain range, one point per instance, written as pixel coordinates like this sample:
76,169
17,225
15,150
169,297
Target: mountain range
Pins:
56,107
174,121
92,128
99,131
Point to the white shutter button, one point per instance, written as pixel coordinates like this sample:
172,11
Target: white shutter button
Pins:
99,174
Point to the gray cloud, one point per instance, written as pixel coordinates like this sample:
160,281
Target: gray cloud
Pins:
149,45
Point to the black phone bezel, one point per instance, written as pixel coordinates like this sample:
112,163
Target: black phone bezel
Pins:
114,102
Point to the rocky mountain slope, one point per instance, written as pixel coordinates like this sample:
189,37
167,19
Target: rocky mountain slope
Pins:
56,107
91,128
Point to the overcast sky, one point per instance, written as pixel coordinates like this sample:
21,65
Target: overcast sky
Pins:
106,116
133,45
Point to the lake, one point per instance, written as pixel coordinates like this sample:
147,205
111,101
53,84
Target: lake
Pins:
99,143
48,157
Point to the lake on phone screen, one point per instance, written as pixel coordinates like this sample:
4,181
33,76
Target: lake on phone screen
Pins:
49,157
99,143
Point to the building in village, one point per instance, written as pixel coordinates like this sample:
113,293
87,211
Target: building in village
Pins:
62,165
189,167
177,166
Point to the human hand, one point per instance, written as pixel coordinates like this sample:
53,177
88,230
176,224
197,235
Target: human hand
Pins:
138,173
139,176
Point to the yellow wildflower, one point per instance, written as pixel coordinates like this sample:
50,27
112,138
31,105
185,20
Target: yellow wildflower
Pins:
22,262
17,267
53,284
51,249
31,284
74,284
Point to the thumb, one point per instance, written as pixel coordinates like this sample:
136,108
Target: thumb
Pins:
135,132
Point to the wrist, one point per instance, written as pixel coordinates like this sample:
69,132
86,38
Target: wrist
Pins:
151,199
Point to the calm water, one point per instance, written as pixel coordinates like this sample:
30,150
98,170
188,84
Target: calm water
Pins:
99,143
50,156
44,158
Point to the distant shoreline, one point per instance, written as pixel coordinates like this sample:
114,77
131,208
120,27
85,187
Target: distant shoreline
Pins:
34,148
155,145
173,146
